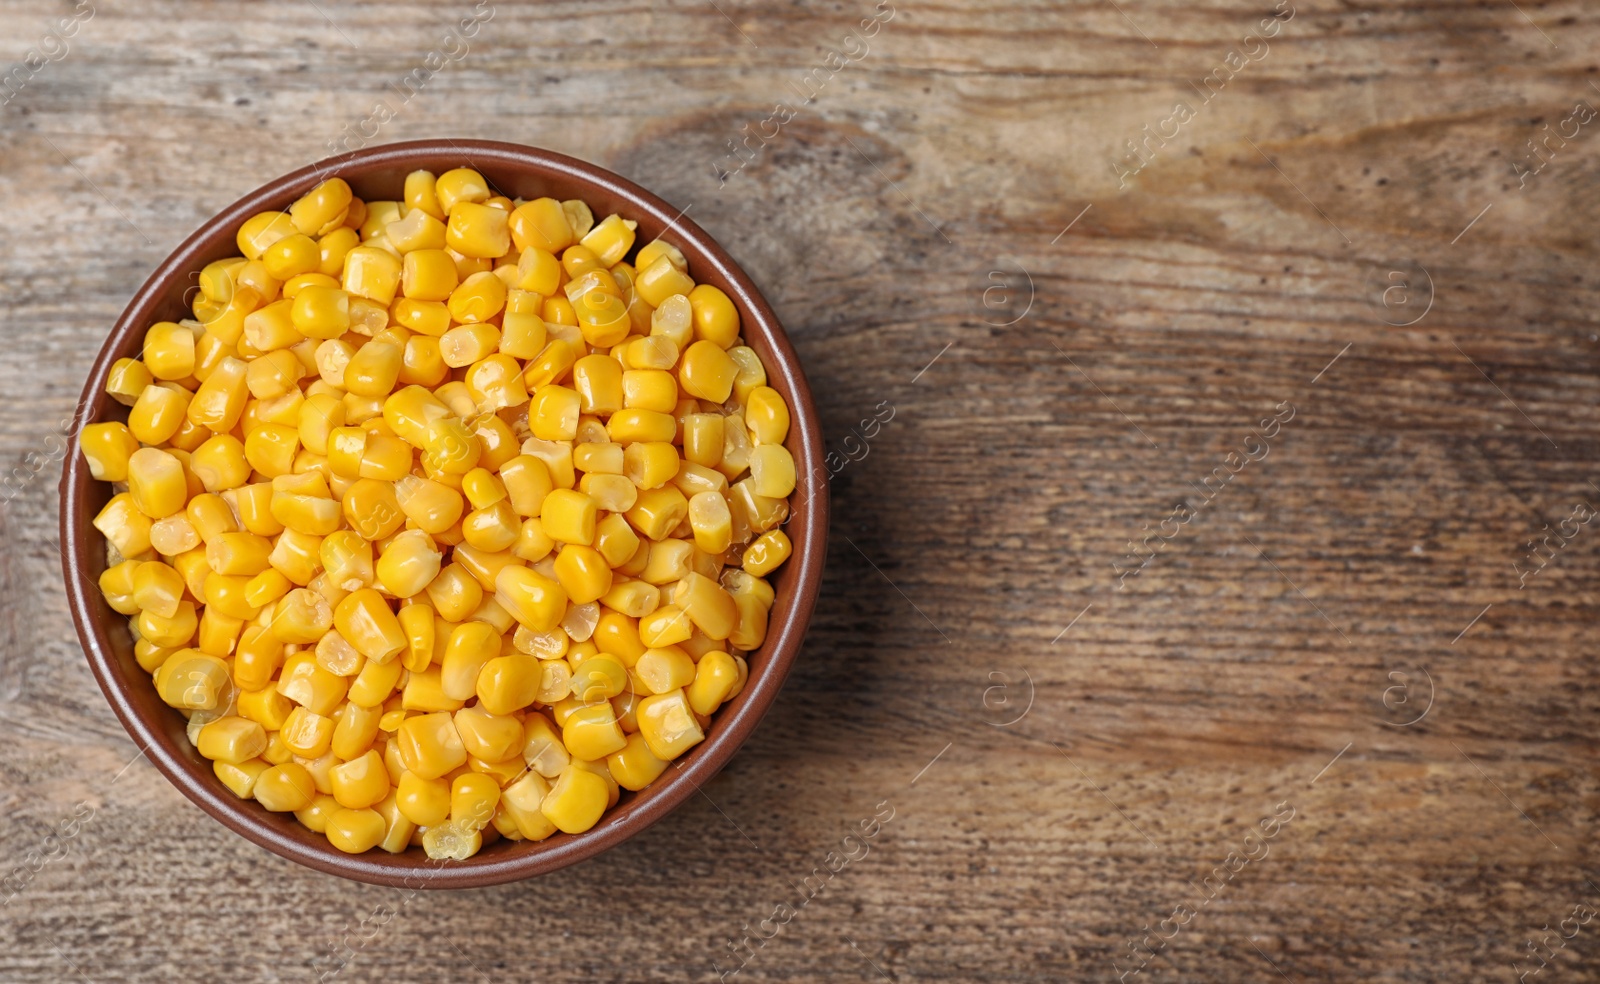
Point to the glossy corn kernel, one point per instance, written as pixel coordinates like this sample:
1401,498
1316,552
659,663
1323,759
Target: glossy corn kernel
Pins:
668,726
361,782
660,280
657,512
611,239
106,448
430,746
478,230
233,740
365,620
715,317
409,564
284,788
766,553
772,472
470,646
569,516
635,766
540,224
706,372
632,424
432,506
535,601
372,273
576,801
650,464
355,831
583,573
326,204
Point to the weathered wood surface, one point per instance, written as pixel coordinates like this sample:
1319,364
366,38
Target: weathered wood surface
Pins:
1243,267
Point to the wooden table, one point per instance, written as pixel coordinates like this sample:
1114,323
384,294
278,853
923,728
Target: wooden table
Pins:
1321,343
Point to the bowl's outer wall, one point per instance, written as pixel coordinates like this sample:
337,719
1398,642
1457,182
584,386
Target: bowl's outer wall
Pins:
377,174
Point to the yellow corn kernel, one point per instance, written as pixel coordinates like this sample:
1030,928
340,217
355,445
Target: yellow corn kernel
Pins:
716,678
221,462
409,563
311,686
520,801
611,239
527,483
302,617
478,230
761,513
540,224
375,683
579,259
693,479
320,415
538,272
356,731
291,256
711,521
772,472
258,657
632,598
294,285
767,415
347,559
420,194
657,512
433,507
650,389
306,733
533,544
314,816
425,802
269,329
157,588
454,592
365,620
575,803
285,788
705,602
706,372
492,529
631,424
668,726
226,594
361,782
666,626
591,732
192,680
635,766
332,247
715,317
451,842
611,493
106,448
266,707
660,279
553,413
583,573
253,506
599,677
430,746
218,633
326,204
262,230
600,457
534,600
602,318
483,488
266,587
156,484
355,831
128,378
461,184
508,684
372,273
169,351
271,448
650,464
320,312
241,778
297,556
559,315
665,669
417,230
373,369
489,736
470,646
220,400
569,516
238,553
159,412
303,503
766,553
477,299
117,585
417,621
473,798
751,376
232,739
422,362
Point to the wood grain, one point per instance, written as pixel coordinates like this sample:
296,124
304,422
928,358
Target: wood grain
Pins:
1035,430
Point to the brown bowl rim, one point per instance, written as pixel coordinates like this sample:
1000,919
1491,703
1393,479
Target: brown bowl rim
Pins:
165,744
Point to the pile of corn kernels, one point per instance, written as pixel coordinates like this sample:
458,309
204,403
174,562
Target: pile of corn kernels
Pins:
440,521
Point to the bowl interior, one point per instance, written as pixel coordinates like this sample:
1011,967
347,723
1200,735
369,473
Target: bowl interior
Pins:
378,174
